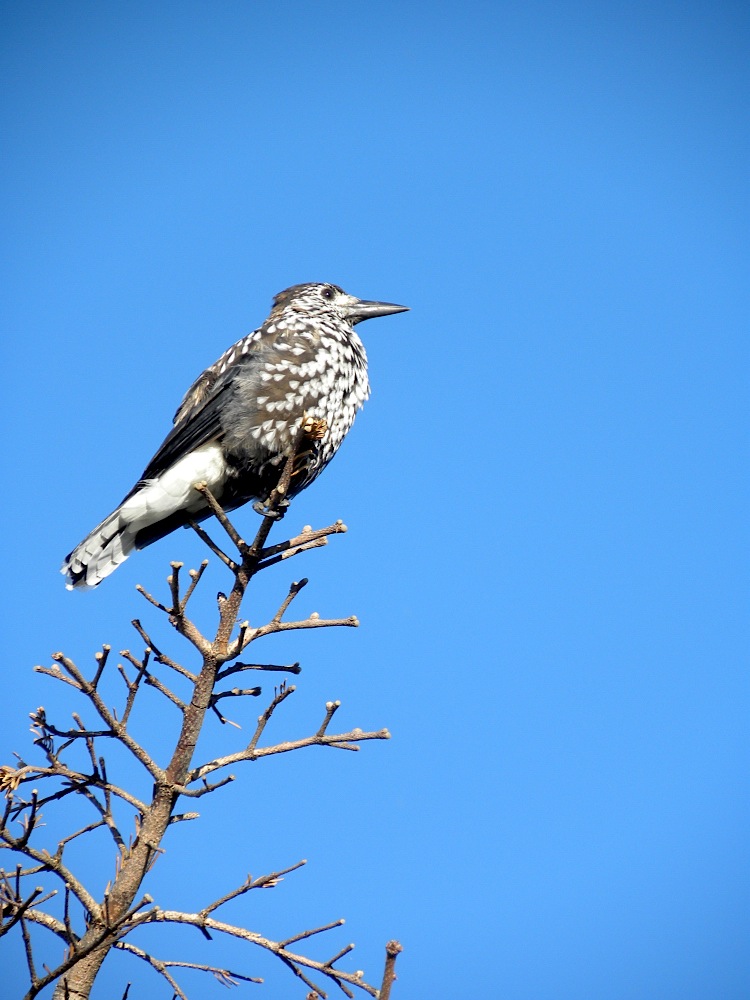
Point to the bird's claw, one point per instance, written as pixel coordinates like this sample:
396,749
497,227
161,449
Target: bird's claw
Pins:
275,513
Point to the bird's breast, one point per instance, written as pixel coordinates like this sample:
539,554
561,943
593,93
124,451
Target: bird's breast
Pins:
305,374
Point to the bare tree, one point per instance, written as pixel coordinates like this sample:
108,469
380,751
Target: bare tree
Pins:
75,766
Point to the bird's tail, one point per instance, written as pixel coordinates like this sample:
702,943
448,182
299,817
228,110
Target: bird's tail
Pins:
153,509
101,552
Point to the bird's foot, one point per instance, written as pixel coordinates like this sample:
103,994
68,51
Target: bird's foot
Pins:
276,512
314,427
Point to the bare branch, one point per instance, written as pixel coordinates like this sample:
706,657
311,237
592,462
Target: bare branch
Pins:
27,773
263,882
195,578
54,864
144,673
339,741
13,904
289,668
293,960
151,599
29,952
331,707
101,662
294,589
225,976
174,586
58,675
183,817
49,922
235,693
311,933
218,511
392,950
207,540
313,621
283,693
117,728
80,833
339,954
307,539
289,554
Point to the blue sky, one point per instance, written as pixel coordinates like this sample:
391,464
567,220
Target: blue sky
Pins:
546,494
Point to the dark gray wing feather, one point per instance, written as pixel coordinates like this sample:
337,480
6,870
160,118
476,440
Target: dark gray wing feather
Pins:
197,394
200,427
201,389
221,401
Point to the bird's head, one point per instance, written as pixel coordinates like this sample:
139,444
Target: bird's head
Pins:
319,299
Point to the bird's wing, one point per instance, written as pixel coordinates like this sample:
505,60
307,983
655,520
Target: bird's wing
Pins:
198,420
200,390
198,417
196,394
199,427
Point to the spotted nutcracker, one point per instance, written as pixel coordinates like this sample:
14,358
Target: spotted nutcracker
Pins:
239,421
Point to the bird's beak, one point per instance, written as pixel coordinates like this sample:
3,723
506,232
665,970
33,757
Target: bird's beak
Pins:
360,309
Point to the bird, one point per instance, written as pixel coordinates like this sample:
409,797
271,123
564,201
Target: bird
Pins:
240,420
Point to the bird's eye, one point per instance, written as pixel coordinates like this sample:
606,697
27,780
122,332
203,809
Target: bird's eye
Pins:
327,293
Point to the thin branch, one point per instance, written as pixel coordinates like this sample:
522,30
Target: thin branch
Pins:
311,933
392,950
206,789
235,693
29,952
339,954
49,922
283,693
207,540
195,578
150,644
313,621
318,544
53,863
174,586
339,741
218,512
27,772
289,668
307,539
58,675
225,976
142,667
294,589
151,599
263,882
331,708
9,900
117,728
66,919
101,662
144,674
294,961
161,657
183,817
177,667
81,832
